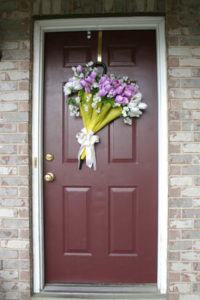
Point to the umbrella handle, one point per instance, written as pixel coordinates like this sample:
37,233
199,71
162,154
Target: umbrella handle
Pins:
80,164
103,65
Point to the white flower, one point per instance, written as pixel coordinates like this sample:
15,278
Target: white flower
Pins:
98,110
134,109
77,100
96,98
138,97
95,85
85,107
76,85
133,114
67,91
89,64
135,85
74,111
88,97
71,107
128,121
132,104
94,104
142,105
69,84
125,78
116,105
125,111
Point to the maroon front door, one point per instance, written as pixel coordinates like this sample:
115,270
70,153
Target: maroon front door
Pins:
101,226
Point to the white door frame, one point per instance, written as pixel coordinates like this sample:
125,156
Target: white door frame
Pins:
83,24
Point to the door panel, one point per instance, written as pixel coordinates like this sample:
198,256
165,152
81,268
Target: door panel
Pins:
122,231
101,226
122,142
76,222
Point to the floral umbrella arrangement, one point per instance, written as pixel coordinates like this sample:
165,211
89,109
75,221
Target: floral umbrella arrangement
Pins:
99,99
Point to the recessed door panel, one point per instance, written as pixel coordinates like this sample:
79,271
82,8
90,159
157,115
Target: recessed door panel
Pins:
122,219
122,142
76,221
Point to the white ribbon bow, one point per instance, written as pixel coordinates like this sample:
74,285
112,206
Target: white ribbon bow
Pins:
87,140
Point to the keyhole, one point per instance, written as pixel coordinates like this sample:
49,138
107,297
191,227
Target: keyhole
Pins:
89,35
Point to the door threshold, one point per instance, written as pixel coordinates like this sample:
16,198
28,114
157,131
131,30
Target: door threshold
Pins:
76,292
101,288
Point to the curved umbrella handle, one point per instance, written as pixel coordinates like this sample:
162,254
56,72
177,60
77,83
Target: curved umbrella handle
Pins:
103,65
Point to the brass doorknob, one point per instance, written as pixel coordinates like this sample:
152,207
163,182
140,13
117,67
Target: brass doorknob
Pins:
49,177
49,156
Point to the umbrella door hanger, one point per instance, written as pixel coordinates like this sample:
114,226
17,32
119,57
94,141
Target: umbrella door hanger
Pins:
99,99
87,140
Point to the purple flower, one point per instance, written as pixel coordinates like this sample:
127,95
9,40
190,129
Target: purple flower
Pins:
115,83
83,82
79,68
87,89
102,92
121,99
107,87
114,93
103,79
120,89
133,89
89,79
93,75
127,93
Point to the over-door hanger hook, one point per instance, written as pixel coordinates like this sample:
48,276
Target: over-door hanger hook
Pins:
99,50
99,62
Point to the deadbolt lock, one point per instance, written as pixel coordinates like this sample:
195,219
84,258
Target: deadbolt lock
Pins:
49,156
49,177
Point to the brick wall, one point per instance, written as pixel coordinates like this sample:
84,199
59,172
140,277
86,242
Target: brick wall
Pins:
14,144
183,29
183,42
71,7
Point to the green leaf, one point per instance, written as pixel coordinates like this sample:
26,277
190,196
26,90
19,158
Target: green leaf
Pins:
72,101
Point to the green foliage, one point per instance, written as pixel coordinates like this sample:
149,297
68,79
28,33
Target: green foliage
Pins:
72,101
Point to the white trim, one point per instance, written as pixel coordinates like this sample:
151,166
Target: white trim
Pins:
122,23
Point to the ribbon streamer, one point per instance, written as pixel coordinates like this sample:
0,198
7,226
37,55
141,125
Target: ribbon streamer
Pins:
87,141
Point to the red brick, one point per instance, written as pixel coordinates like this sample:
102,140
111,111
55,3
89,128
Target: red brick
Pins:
24,275
174,277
